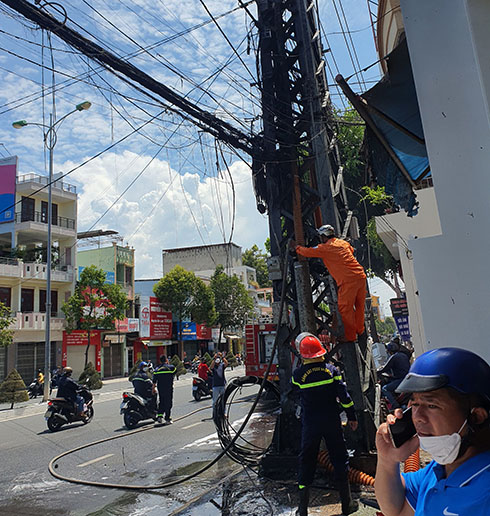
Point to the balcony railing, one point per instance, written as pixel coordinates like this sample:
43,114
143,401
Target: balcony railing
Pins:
42,217
35,178
36,270
10,267
16,268
36,321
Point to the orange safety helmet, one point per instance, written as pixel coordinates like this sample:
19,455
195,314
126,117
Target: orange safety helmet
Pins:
309,345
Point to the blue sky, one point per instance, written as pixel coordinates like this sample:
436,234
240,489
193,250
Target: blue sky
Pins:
180,196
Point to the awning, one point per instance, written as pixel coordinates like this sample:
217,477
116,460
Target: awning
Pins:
394,134
156,343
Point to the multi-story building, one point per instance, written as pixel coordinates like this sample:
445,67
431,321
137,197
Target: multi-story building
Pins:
23,269
203,257
117,261
203,260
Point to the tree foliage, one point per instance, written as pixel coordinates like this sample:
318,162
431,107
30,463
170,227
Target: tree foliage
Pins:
179,366
366,201
257,259
94,305
232,301
6,319
186,296
13,389
386,327
91,377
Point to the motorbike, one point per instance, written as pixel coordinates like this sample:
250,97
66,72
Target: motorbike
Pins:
200,388
134,409
402,398
35,389
62,411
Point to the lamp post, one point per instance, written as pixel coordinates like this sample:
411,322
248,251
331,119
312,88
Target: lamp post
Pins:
50,138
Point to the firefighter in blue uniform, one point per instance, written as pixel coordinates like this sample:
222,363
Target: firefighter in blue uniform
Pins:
320,385
163,378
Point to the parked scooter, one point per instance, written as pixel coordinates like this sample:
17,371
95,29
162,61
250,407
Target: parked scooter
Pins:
35,389
134,409
62,412
200,388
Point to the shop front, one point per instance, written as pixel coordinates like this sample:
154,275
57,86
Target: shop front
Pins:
74,347
155,332
196,338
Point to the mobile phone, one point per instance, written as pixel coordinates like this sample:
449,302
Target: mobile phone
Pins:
403,429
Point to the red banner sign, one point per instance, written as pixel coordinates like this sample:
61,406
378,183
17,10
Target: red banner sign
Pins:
160,321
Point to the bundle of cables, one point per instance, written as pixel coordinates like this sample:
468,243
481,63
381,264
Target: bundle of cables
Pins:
242,451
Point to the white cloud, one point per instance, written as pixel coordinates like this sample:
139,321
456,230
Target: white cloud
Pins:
170,209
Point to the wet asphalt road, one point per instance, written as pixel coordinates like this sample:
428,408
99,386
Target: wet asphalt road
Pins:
144,458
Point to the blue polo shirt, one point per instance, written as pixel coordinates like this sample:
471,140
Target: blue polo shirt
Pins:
466,492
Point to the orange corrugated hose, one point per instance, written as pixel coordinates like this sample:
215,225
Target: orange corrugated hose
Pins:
354,474
412,463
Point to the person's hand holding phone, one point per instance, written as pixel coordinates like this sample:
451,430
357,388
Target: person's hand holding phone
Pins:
384,441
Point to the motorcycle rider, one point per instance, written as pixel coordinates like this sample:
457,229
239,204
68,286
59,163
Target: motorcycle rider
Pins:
68,389
143,385
397,367
204,373
163,378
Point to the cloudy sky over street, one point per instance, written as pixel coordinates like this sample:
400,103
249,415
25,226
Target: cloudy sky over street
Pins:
167,184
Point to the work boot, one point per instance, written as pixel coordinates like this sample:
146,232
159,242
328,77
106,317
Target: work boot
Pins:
348,504
304,498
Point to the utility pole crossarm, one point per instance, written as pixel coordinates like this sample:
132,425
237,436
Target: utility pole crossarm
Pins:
208,122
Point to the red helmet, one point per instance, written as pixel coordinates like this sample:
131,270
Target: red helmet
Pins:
309,345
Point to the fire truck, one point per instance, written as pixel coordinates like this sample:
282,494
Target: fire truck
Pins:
259,341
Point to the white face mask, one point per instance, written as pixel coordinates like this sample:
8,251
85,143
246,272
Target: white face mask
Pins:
444,449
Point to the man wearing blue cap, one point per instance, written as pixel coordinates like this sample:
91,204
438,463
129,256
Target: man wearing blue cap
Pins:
450,410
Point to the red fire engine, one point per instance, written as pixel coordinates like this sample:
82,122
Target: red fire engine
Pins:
259,341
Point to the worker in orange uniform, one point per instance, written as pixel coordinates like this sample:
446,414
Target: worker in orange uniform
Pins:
348,273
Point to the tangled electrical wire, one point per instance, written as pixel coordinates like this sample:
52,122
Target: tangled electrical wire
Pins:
242,451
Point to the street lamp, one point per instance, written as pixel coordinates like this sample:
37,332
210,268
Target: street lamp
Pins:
49,141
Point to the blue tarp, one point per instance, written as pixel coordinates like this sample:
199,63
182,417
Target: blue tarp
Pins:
396,97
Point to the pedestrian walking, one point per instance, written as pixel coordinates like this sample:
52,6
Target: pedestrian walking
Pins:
348,273
218,366
320,385
163,378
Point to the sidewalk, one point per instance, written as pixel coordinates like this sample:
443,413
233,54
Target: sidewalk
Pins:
111,389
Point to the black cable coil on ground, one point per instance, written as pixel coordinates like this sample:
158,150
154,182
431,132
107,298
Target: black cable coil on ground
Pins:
247,454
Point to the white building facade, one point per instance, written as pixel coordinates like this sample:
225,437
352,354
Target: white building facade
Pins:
23,269
444,249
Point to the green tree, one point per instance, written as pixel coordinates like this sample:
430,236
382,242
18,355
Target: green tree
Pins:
94,305
257,259
231,358
386,327
231,299
185,295
6,319
13,389
383,264
367,202
179,366
91,377
208,358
